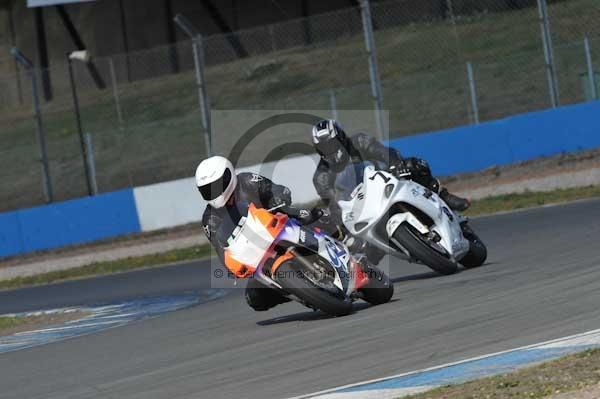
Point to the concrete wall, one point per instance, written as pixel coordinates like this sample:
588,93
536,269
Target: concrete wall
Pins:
178,202
146,208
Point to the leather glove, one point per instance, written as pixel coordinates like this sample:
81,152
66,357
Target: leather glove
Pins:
316,214
325,216
401,169
418,167
304,216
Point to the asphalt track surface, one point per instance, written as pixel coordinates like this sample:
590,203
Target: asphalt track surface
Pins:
542,282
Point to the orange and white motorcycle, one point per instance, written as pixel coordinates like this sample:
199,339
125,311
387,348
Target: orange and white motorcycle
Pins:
302,264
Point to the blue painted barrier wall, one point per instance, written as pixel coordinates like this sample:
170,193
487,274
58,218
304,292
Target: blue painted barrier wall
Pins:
70,222
505,141
462,149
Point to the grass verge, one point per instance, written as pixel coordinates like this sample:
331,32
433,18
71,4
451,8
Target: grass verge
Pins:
567,374
14,324
485,206
103,268
7,322
145,237
511,202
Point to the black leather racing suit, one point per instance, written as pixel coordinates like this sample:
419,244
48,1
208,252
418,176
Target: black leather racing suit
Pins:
219,223
362,147
251,188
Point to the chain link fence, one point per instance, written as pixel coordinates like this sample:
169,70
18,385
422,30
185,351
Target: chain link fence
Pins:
146,124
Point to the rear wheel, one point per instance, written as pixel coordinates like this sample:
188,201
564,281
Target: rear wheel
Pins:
322,295
380,289
424,250
477,250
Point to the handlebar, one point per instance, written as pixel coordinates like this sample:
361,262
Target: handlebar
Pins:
304,216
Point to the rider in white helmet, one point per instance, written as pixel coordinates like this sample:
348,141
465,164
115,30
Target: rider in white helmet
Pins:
227,195
216,180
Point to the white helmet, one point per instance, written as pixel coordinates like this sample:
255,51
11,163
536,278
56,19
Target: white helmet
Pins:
216,180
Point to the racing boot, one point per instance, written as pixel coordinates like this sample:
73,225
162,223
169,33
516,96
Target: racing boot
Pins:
261,298
454,202
422,175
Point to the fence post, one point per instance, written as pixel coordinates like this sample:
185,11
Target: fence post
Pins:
198,49
272,37
473,91
457,43
41,131
548,52
113,78
13,39
86,165
202,92
89,152
590,68
333,102
365,11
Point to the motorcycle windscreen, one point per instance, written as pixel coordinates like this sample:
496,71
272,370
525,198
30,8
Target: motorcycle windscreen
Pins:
252,239
349,179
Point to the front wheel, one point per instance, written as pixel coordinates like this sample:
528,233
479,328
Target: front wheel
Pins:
420,247
298,281
477,250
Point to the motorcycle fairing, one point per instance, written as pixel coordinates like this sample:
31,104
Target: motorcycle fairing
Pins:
252,240
363,211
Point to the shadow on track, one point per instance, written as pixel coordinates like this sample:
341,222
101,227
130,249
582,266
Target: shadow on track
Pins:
314,315
486,264
422,276
432,274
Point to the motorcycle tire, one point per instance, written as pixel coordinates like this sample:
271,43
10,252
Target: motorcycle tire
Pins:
477,254
379,289
419,248
295,282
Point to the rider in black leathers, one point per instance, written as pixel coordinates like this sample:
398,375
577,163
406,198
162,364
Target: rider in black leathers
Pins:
219,222
337,150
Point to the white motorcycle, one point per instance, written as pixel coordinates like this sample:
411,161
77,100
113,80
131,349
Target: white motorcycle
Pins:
405,219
